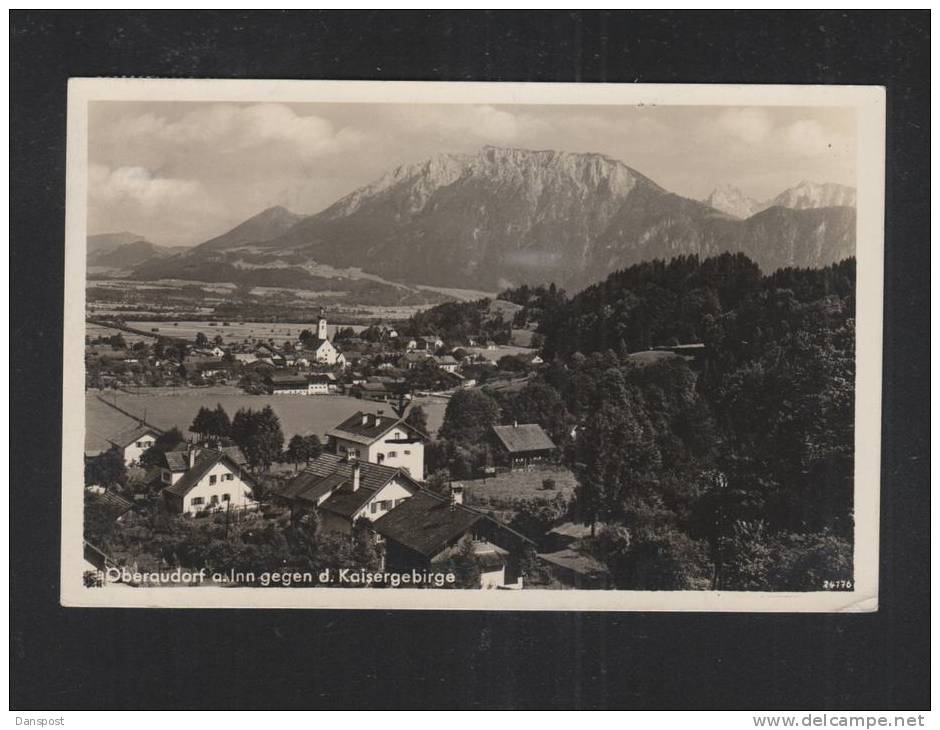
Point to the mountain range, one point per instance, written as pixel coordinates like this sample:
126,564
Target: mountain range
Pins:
506,216
125,249
728,199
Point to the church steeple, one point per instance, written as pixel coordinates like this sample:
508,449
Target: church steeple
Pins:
321,328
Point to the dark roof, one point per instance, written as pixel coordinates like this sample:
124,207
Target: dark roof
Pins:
114,504
523,437
205,460
333,473
129,436
289,380
318,378
176,460
427,523
355,430
576,562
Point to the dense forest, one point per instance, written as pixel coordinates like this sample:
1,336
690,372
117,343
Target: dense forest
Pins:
732,470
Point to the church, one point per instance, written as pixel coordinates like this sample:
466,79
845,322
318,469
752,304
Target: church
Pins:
324,351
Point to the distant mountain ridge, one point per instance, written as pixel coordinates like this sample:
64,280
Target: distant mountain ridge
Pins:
728,199
505,216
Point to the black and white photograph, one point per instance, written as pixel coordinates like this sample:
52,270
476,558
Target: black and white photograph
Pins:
475,346
470,360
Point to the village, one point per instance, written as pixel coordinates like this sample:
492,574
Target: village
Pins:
376,475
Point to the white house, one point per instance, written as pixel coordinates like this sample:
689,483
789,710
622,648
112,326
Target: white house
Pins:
176,463
447,363
380,439
213,481
134,442
289,384
343,489
429,531
318,384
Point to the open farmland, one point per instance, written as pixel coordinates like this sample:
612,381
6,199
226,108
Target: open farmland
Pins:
234,332
168,407
94,331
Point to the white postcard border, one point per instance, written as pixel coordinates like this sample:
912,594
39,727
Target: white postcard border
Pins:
869,103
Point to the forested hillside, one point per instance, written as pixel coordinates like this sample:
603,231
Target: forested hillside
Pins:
731,471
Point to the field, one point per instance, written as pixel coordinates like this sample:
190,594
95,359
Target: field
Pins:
233,332
95,331
504,494
168,407
499,351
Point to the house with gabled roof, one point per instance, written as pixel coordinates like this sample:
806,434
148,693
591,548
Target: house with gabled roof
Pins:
380,439
343,489
428,531
213,480
521,445
134,441
180,459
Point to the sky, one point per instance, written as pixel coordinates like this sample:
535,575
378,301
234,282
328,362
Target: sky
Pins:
179,173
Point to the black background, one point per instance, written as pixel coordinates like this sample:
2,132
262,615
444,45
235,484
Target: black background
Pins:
134,659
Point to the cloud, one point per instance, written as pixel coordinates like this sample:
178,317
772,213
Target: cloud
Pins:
231,129
126,197
752,126
469,124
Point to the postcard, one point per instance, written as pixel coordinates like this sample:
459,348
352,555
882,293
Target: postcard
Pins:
502,346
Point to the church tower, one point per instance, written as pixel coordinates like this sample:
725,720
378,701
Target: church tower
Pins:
321,328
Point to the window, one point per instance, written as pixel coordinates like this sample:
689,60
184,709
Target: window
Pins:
407,453
197,501
227,477
379,458
212,479
392,454
373,508
226,497
214,499
139,444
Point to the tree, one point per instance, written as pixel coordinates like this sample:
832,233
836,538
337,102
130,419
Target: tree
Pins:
418,419
303,449
201,340
469,416
463,564
296,450
106,469
313,447
258,434
220,423
539,403
165,442
203,423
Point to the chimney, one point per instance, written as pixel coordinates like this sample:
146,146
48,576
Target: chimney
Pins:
356,469
456,494
379,413
515,424
191,456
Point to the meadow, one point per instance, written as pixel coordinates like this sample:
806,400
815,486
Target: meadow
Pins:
168,407
235,332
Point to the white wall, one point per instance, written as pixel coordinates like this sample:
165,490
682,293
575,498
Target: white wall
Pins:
391,492
406,456
238,490
493,578
133,451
